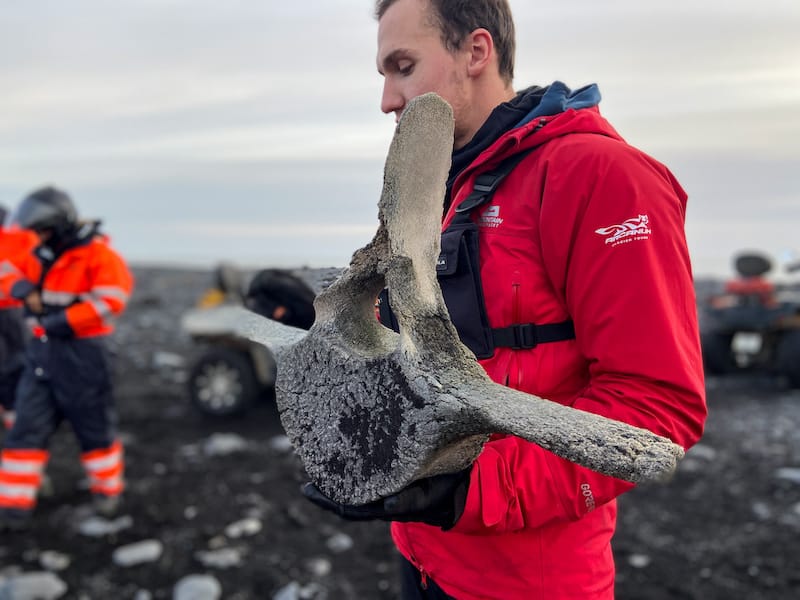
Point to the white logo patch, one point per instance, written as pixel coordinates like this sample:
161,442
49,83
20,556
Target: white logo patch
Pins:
491,217
631,230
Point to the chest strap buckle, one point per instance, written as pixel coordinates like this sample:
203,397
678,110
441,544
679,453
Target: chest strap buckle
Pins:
524,336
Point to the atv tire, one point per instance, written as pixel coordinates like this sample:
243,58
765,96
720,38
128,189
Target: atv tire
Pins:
788,357
223,383
717,355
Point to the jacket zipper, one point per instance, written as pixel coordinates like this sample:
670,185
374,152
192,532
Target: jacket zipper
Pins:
423,574
423,579
516,310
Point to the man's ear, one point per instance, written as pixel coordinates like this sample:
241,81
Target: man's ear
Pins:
480,45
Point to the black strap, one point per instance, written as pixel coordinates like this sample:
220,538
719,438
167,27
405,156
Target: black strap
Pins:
525,335
487,183
528,335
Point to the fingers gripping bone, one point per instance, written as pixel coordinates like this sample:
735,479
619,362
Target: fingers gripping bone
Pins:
368,410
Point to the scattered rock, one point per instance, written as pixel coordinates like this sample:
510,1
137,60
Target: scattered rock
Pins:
243,528
639,561
100,526
281,443
54,561
788,474
197,587
223,444
168,360
290,591
32,586
224,558
702,452
338,543
319,567
135,554
762,511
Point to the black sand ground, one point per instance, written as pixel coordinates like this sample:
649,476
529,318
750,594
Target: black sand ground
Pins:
726,527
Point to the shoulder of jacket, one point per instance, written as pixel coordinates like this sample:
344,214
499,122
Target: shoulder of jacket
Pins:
593,151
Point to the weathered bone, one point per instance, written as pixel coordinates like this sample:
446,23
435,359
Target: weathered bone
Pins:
369,410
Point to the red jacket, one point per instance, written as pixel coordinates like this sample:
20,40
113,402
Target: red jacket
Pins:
590,229
15,246
84,290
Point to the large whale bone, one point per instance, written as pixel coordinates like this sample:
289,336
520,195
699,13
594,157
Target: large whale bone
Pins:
369,410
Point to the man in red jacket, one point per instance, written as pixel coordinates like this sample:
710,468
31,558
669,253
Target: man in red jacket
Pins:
15,245
585,297
74,285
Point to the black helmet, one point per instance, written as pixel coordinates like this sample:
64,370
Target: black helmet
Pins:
47,208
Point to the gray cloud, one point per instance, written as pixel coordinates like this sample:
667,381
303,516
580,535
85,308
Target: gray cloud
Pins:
193,103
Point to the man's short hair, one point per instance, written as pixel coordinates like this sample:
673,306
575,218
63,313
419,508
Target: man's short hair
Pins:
456,19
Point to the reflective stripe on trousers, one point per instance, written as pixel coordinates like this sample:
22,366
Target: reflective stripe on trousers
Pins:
104,467
21,477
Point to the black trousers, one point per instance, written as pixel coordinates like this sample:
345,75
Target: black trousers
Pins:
64,379
13,337
413,588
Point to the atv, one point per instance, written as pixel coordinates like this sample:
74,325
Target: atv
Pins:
753,324
229,372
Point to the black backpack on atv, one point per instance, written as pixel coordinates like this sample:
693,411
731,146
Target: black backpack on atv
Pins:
279,295
230,373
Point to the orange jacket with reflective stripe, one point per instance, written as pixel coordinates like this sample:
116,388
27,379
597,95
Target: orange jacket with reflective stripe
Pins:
16,246
90,283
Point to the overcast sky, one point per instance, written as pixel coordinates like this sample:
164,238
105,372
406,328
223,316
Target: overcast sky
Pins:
250,129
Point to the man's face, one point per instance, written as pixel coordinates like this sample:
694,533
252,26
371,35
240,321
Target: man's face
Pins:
413,60
45,235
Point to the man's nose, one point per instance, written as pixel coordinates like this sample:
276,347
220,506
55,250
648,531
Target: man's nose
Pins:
391,100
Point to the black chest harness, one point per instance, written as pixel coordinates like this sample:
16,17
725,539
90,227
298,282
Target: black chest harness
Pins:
458,272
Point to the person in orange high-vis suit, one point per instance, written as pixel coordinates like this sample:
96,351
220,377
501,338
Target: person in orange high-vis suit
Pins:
15,244
74,284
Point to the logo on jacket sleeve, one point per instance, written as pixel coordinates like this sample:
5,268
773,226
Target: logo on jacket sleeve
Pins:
631,230
490,217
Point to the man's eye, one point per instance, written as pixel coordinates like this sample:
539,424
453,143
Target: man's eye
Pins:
405,67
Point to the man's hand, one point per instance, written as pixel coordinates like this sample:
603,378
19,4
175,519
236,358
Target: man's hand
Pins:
34,302
437,500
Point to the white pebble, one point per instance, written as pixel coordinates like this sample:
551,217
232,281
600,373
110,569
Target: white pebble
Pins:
197,587
339,543
51,560
639,561
146,551
243,528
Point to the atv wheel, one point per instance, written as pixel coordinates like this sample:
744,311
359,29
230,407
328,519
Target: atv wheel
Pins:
222,383
788,357
717,356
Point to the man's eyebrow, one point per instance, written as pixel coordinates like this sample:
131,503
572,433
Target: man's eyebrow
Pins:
392,57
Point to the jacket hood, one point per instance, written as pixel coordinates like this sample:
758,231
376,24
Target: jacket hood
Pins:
558,98
518,118
538,128
79,235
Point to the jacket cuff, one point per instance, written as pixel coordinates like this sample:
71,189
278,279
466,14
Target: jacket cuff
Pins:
22,289
56,325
